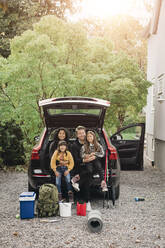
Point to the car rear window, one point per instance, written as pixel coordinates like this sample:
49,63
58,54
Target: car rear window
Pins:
52,111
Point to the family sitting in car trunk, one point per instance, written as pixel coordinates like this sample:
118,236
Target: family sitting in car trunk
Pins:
81,159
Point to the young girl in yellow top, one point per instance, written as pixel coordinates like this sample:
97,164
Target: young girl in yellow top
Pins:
62,163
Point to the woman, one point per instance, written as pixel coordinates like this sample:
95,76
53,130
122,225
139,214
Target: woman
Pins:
61,134
91,151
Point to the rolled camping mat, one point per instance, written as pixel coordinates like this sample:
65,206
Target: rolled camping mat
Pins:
95,223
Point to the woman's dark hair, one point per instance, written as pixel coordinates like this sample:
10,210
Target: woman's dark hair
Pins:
56,139
54,144
95,142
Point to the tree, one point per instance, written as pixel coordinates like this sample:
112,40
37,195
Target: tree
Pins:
43,64
125,32
19,15
11,144
58,59
115,77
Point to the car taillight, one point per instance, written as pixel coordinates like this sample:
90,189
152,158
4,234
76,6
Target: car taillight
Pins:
35,155
113,154
113,158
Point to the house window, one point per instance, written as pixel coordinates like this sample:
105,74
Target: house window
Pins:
152,99
153,145
161,86
153,94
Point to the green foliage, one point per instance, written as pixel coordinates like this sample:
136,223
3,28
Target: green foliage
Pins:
124,32
58,59
19,16
115,77
40,66
11,140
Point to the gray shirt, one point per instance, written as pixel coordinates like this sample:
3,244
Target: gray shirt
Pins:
99,154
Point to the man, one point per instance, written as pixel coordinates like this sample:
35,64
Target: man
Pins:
79,170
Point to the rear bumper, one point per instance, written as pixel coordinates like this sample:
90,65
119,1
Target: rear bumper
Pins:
36,180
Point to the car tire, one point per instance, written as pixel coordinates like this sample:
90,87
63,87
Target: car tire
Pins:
117,191
113,194
30,188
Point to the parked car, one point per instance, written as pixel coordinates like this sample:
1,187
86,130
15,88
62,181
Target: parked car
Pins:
69,112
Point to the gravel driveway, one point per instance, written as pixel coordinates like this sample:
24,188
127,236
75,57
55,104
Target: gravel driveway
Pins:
128,224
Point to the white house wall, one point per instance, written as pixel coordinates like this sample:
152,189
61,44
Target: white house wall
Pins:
160,121
155,114
150,113
160,67
150,125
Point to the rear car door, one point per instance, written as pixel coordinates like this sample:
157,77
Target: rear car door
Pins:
129,142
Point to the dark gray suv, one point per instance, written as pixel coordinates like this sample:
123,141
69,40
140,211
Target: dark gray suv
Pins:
121,149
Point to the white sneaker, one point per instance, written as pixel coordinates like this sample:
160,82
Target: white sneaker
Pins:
104,186
88,206
76,186
104,189
75,179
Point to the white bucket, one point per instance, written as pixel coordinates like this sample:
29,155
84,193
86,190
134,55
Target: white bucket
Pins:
65,209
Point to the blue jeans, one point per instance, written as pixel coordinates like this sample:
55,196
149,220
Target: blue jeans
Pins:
61,170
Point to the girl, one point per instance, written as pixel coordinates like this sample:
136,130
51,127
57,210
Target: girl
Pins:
60,134
91,151
62,163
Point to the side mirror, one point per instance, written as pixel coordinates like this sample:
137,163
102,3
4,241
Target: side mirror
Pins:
116,137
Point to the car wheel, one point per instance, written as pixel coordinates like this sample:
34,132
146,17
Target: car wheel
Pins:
30,188
117,191
113,194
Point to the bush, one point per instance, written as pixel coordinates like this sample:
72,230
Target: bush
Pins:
11,144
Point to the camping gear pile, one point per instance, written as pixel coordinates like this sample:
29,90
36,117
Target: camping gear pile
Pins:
48,205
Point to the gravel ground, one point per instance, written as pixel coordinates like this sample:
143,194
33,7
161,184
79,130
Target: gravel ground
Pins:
128,224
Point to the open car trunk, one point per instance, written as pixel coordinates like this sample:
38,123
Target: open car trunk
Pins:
70,112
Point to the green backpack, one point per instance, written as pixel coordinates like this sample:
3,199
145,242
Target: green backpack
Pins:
47,204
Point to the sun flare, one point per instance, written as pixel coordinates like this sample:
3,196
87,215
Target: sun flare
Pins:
105,8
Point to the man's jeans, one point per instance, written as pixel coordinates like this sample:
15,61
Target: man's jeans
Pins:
61,170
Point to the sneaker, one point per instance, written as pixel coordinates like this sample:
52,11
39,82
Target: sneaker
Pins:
104,186
88,206
76,186
75,179
70,194
104,189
